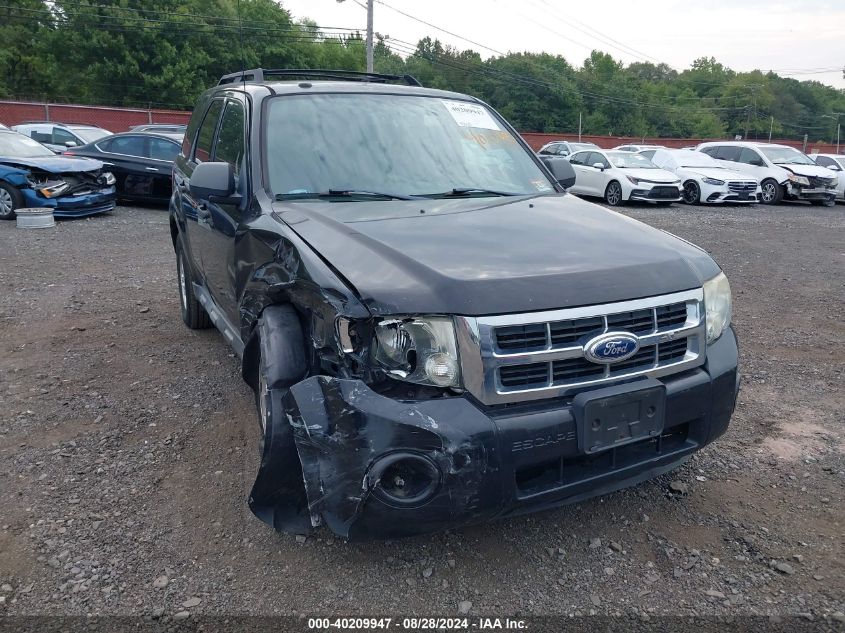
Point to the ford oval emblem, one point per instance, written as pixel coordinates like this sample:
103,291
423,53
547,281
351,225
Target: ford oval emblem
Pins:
611,347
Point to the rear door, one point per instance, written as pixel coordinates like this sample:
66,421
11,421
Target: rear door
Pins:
225,217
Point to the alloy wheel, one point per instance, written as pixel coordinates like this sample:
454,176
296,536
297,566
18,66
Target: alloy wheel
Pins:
183,288
769,192
614,194
6,203
691,193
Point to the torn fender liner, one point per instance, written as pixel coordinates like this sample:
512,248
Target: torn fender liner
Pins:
277,496
342,429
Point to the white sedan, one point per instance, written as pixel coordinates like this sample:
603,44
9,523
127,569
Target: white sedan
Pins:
619,176
834,162
706,180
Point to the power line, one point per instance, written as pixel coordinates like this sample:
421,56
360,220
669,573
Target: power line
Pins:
442,30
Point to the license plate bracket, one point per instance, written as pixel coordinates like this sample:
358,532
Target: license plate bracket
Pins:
619,415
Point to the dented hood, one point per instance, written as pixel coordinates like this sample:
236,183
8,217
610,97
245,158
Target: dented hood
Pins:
54,164
808,170
493,255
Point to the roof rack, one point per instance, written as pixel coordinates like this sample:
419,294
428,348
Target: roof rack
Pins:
258,75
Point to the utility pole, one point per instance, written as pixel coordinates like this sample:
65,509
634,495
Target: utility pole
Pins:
370,4
771,125
579,132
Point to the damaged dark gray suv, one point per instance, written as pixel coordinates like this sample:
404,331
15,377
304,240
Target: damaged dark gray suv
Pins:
436,332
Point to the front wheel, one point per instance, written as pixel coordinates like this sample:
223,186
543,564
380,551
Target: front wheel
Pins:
613,194
692,192
772,192
10,200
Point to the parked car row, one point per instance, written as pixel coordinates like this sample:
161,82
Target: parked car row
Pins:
33,176
80,170
712,172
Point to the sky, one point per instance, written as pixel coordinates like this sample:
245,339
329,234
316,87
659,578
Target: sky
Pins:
798,39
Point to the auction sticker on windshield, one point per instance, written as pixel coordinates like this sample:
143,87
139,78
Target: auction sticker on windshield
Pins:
470,115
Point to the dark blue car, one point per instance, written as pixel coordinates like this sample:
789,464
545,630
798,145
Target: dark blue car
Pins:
33,176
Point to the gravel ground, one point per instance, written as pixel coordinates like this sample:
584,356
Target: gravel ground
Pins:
128,445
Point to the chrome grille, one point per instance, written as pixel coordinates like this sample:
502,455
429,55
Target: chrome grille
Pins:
514,358
739,186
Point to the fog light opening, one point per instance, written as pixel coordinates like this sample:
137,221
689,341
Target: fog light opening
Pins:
405,479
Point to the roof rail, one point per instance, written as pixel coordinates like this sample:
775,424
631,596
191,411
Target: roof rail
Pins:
259,75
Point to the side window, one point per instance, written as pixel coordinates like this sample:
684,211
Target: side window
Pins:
549,149
824,161
710,151
162,149
60,137
205,138
127,145
41,137
579,158
230,138
728,152
595,157
750,157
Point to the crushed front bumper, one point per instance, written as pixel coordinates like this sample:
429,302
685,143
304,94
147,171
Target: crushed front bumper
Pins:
74,206
462,463
798,192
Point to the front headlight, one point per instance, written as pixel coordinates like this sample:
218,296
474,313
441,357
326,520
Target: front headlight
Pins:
714,181
421,350
799,180
53,189
634,181
106,178
717,306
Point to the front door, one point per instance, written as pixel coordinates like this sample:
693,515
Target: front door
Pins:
219,258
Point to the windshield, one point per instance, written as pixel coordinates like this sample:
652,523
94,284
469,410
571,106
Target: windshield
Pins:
405,145
627,160
785,156
90,134
20,146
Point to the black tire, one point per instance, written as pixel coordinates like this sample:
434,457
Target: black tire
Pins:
10,199
193,314
692,192
278,495
613,194
772,191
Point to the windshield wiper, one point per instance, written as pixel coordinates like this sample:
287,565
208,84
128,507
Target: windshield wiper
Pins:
342,193
459,192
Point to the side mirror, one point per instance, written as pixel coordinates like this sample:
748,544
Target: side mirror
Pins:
214,182
599,166
561,169
70,143
834,167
